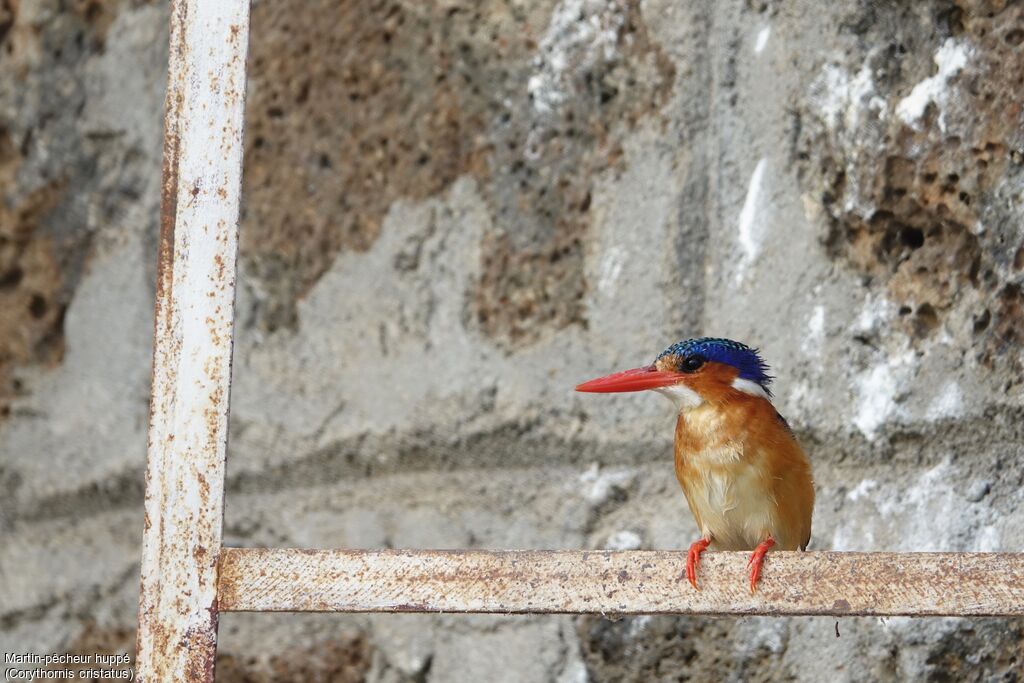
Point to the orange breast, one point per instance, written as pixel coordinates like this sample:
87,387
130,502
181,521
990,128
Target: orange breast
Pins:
744,475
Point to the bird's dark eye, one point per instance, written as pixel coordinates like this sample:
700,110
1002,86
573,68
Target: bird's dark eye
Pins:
692,363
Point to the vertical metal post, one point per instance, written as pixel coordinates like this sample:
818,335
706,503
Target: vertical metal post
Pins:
177,637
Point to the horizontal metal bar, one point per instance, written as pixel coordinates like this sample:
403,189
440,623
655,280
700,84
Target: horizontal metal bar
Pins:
628,582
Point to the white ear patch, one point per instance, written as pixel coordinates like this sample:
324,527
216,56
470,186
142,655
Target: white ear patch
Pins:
748,387
683,396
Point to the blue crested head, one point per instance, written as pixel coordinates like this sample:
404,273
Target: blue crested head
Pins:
726,351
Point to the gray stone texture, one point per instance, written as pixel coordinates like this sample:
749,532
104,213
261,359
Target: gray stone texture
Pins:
455,211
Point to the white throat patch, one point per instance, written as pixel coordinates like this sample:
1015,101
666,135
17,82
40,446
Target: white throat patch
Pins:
682,396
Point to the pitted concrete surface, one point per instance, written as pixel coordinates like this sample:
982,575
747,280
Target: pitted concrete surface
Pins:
455,212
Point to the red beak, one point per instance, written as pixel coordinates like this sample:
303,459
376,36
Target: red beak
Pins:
637,379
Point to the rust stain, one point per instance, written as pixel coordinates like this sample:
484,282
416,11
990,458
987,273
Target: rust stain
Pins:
200,646
204,486
168,198
406,607
565,582
152,630
215,337
177,633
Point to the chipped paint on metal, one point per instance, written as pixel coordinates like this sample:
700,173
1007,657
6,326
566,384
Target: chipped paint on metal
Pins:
624,582
193,340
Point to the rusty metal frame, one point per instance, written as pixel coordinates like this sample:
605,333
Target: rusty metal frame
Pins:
195,296
620,582
188,577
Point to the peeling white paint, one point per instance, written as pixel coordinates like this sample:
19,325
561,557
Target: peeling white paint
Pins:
877,390
949,403
849,537
928,513
987,540
804,401
950,59
638,625
854,113
844,99
813,342
611,268
751,220
864,488
624,540
597,485
580,33
928,506
763,634
762,39
575,672
875,312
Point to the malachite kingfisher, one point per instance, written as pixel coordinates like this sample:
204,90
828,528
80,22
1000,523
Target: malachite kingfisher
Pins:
746,479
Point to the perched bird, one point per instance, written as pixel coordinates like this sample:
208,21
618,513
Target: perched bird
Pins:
746,479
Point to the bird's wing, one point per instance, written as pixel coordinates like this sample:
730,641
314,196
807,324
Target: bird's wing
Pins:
793,487
785,423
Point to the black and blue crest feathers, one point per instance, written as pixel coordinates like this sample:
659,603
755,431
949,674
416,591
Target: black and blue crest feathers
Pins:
740,356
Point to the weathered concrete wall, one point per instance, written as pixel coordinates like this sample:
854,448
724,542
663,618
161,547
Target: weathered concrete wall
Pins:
453,213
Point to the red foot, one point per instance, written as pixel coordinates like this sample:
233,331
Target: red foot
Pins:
756,560
693,559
